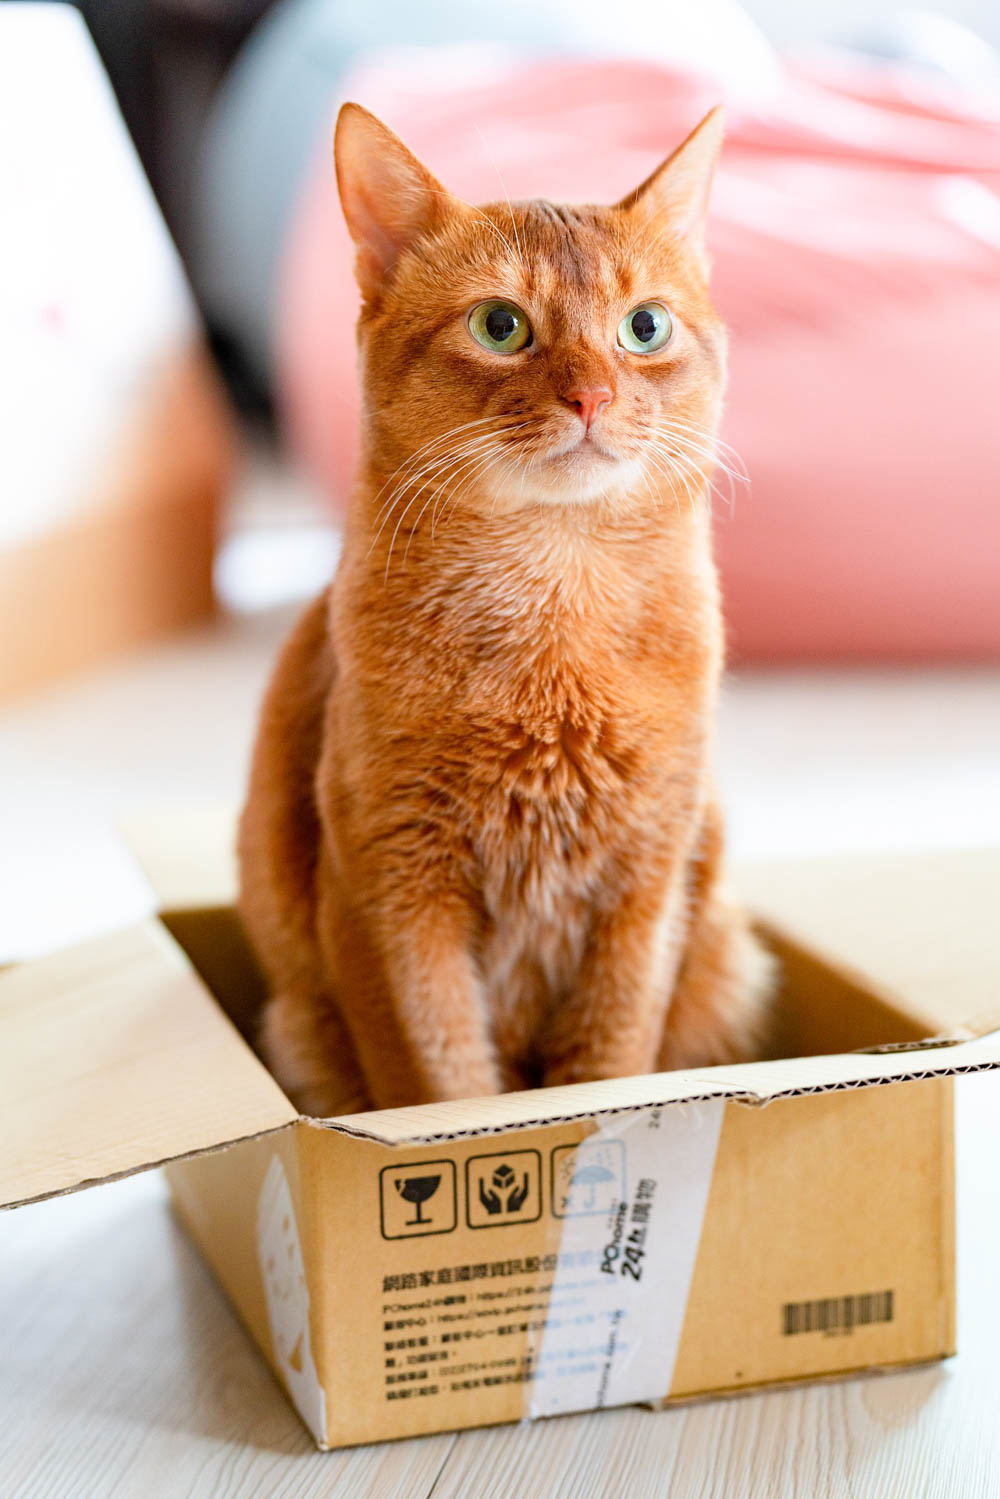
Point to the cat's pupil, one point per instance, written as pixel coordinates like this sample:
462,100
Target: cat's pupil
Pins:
500,324
643,325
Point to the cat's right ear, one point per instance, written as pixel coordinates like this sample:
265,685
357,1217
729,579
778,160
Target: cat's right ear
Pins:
676,194
389,198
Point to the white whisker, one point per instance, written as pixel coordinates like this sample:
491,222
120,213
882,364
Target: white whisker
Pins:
425,448
658,458
436,494
713,445
434,462
472,457
431,470
503,189
486,465
485,218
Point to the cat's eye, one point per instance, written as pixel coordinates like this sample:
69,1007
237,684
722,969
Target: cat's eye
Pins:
646,328
500,327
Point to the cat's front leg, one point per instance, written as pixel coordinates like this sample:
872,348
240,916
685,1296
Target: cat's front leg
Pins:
409,989
438,1002
612,1023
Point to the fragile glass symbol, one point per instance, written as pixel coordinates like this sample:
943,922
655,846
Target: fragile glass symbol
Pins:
416,1190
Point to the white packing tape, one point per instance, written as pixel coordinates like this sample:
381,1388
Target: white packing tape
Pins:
283,1273
633,1198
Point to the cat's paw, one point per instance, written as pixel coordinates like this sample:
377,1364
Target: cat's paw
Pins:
584,1064
576,1068
458,1077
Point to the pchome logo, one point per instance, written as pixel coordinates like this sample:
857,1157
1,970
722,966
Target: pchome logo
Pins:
613,1249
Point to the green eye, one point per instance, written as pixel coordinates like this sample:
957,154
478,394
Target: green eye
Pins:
646,328
500,327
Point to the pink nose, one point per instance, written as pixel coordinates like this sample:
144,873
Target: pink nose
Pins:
589,403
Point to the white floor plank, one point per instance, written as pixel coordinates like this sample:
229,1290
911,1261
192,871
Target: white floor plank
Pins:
124,1372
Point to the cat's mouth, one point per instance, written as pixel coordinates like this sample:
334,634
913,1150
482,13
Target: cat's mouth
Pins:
586,449
585,469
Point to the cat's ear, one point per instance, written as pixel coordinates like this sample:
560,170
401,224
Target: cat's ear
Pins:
389,198
676,194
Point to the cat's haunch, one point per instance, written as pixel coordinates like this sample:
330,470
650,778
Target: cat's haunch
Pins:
481,849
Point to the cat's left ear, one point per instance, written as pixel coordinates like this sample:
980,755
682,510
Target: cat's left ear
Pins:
676,194
389,198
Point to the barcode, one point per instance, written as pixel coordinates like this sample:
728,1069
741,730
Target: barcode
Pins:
837,1313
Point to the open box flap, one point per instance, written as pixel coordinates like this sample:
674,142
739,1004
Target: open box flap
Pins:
188,854
754,1083
113,1058
922,928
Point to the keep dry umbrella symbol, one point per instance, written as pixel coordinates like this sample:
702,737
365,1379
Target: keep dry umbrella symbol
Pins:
590,1177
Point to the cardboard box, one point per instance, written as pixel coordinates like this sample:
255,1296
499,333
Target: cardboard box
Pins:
455,1265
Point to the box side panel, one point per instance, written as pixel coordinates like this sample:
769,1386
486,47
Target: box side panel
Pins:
216,1199
214,939
520,1274
949,1316
468,1282
922,927
821,1009
427,1323
244,1208
828,1240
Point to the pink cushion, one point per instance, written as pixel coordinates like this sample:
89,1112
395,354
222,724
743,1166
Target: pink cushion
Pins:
856,244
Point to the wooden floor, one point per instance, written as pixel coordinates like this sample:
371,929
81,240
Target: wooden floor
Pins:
123,1372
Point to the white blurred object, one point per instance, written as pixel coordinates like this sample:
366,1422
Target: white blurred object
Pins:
263,569
280,546
93,301
928,39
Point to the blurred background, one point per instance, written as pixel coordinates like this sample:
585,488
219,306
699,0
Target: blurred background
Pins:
178,408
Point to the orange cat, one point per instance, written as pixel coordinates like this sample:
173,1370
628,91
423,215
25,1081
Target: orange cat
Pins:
480,849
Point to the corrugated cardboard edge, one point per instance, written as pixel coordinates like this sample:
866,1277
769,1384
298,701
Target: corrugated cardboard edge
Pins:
168,1160
892,1070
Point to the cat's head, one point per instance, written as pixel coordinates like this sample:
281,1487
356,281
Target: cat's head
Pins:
530,353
